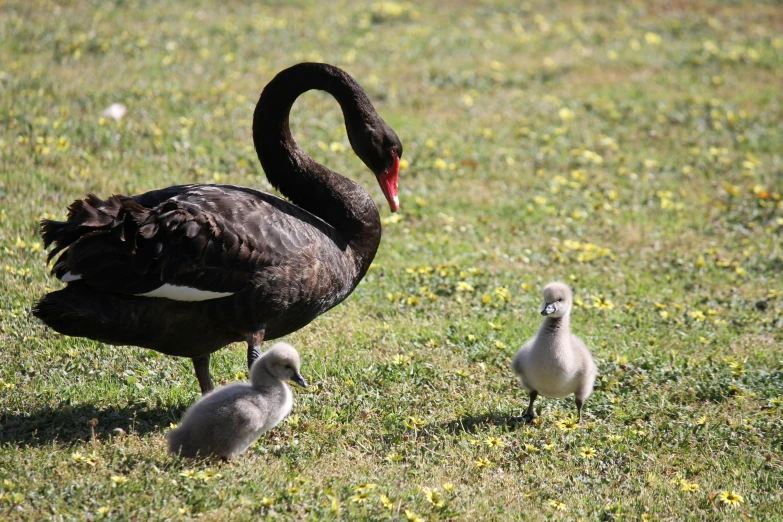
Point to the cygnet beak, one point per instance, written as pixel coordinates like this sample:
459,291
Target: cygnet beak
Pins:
549,308
298,379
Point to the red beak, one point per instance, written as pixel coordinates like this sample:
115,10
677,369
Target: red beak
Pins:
388,182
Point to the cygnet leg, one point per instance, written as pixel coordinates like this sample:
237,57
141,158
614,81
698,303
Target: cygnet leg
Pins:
531,412
201,365
254,342
579,403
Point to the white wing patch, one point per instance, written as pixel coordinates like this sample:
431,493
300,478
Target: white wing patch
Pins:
184,293
70,276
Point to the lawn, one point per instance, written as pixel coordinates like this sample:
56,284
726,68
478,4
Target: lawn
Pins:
632,150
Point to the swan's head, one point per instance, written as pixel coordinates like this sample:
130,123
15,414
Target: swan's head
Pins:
557,300
380,149
282,361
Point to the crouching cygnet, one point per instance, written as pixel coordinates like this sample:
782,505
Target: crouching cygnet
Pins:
227,421
555,363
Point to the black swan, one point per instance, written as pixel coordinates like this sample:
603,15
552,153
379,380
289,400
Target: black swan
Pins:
187,270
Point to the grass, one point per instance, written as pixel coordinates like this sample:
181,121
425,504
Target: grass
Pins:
630,149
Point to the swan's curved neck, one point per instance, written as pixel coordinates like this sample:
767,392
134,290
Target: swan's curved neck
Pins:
556,326
334,198
262,379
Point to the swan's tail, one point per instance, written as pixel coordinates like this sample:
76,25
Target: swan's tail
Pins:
171,327
79,311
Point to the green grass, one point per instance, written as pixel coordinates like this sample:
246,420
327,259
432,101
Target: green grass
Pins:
632,150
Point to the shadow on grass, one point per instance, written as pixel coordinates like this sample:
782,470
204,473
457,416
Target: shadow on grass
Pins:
476,422
68,424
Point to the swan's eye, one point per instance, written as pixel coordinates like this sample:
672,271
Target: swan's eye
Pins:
394,151
560,300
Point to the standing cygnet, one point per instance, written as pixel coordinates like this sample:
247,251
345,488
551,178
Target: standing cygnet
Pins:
555,363
228,420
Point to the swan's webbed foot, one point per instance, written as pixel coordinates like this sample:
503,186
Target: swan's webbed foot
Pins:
201,365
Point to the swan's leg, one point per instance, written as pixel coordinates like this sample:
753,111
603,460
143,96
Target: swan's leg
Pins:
254,342
579,403
201,365
531,412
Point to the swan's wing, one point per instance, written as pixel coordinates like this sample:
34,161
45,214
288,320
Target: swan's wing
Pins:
189,243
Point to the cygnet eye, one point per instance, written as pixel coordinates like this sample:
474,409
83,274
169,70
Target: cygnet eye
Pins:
288,367
560,300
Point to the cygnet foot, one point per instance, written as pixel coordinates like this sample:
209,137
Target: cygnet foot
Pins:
528,417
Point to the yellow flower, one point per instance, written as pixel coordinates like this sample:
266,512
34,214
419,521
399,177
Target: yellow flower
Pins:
567,425
503,293
119,479
208,475
737,368
267,502
393,457
387,503
559,506
730,497
566,114
448,487
482,463
400,359
413,517
462,286
78,457
433,497
500,344
104,510
412,422
602,303
360,497
698,315
365,487
494,442
587,452
390,220
688,486
652,38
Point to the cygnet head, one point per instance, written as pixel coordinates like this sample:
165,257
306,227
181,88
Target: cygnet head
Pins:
282,361
557,300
